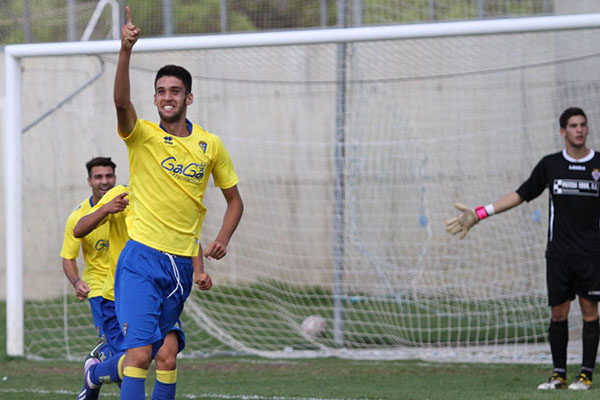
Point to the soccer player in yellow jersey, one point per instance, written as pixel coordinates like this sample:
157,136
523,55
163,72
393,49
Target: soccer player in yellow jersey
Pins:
113,210
170,164
101,178
110,212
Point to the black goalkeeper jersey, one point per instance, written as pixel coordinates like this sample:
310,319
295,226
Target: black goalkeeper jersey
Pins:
574,202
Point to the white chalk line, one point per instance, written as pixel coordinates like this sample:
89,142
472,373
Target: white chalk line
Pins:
185,396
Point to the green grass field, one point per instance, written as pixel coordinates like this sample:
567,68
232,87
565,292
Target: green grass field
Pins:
255,378
240,377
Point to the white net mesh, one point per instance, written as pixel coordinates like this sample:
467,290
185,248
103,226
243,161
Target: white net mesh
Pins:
428,122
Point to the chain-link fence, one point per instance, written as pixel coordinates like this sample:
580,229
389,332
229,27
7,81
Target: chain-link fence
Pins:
33,21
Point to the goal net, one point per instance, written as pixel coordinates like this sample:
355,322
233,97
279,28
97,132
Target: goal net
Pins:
426,122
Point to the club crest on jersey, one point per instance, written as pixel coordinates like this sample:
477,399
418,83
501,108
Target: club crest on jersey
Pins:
125,329
168,140
203,145
596,174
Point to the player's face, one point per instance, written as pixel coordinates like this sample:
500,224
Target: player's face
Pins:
170,99
101,180
576,131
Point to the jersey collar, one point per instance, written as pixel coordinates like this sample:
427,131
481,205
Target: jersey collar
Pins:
581,160
188,123
91,203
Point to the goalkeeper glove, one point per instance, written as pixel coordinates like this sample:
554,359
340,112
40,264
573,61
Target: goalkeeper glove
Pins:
466,220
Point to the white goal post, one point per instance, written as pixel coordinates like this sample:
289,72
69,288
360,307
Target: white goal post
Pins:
13,127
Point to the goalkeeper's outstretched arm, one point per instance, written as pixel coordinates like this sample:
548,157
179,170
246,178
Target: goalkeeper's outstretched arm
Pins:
470,217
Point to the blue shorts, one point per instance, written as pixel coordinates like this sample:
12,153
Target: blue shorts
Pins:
180,336
110,325
97,314
112,330
150,289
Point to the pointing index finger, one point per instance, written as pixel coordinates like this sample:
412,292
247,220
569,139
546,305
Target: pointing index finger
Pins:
128,11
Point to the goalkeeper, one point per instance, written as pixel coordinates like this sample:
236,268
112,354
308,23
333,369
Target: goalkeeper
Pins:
573,249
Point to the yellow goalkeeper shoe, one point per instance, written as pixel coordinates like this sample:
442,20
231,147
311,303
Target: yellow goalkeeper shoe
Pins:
582,382
554,382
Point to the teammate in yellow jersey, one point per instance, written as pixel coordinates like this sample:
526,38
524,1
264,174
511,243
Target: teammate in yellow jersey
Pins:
113,210
170,164
101,178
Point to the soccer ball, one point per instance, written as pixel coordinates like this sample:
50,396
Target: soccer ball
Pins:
314,326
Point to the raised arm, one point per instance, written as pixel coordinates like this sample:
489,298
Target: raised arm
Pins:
235,207
88,223
470,217
126,115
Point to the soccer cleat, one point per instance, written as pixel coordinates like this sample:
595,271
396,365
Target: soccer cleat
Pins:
554,382
101,351
90,391
95,352
582,382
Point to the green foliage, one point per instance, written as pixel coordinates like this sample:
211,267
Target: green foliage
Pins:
277,14
2,329
193,17
10,25
49,17
147,15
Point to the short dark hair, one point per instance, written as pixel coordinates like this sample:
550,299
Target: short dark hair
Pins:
99,162
178,72
568,113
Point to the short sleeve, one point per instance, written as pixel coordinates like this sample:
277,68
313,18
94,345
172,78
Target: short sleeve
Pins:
71,244
133,134
535,184
223,172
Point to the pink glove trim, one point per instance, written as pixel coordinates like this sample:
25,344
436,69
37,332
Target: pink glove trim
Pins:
481,213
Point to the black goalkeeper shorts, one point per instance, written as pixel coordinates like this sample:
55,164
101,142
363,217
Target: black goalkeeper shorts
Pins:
567,277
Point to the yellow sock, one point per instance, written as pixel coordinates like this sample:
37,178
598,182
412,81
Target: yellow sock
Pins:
167,377
120,366
134,372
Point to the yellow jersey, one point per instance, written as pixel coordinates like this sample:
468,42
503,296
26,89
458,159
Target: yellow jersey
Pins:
168,176
94,247
118,236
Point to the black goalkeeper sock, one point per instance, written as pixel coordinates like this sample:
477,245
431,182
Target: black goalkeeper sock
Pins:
589,337
559,338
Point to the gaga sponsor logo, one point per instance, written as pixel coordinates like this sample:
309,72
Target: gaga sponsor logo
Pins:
101,244
192,172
